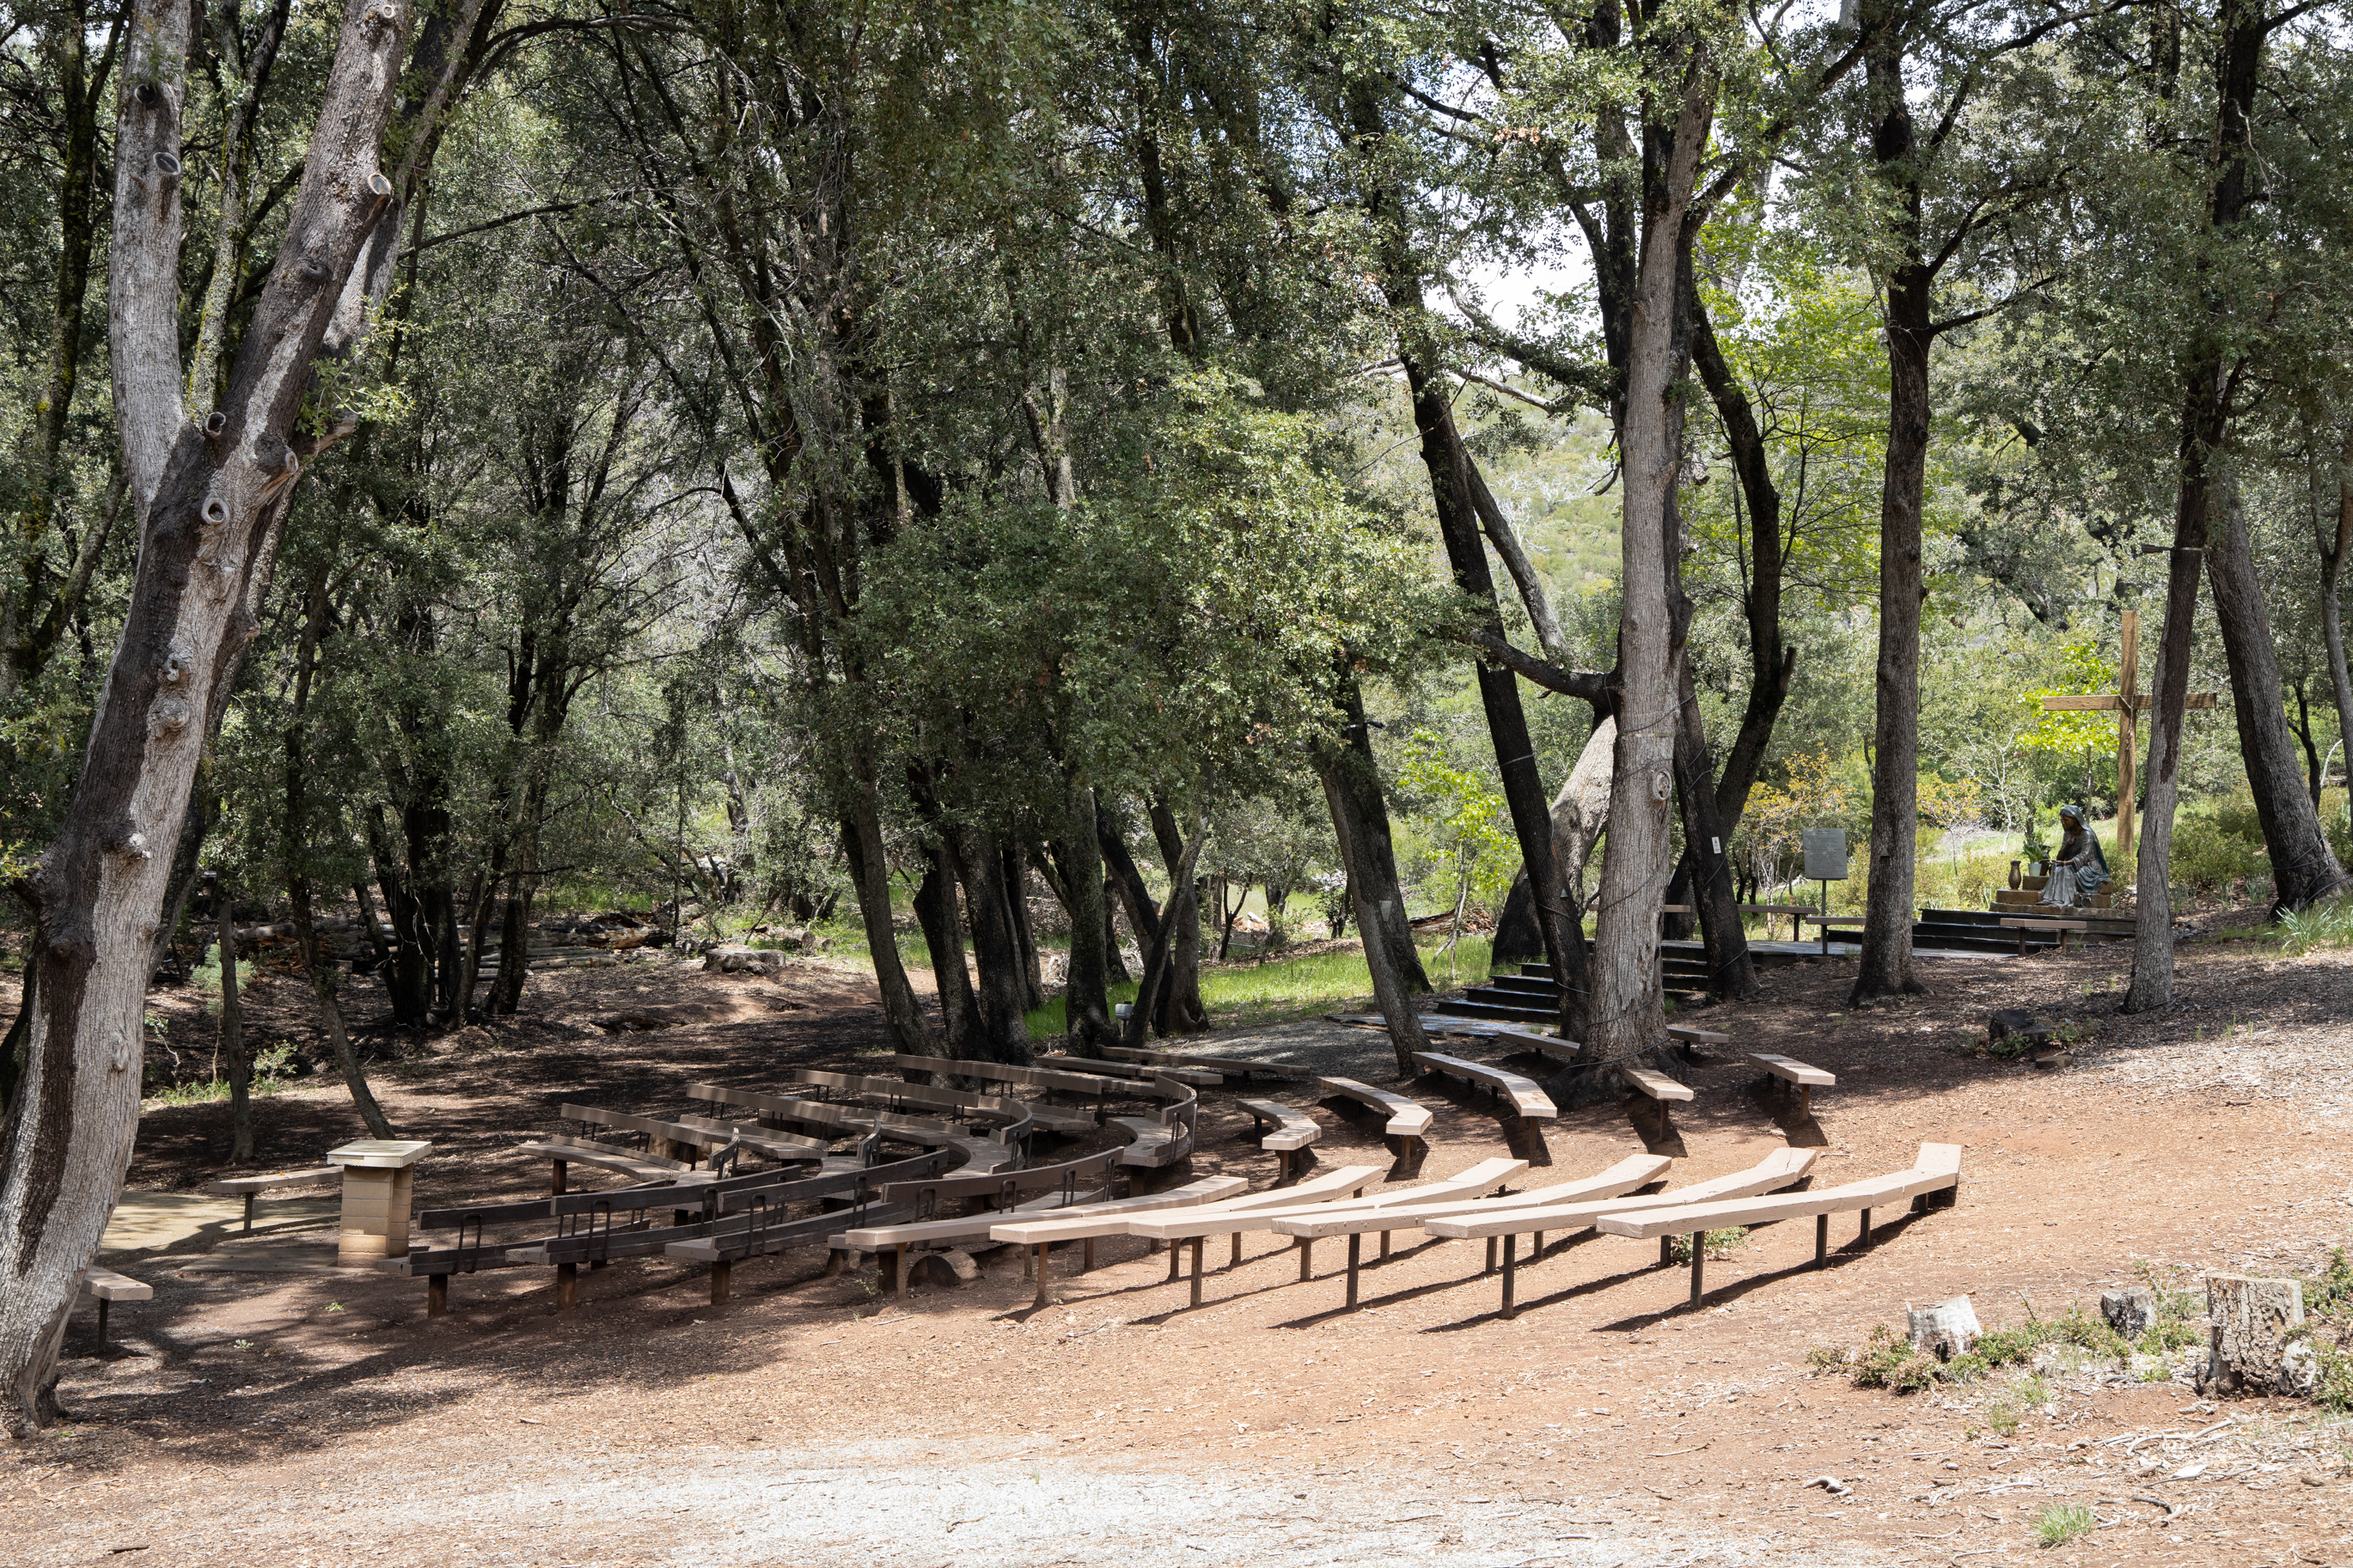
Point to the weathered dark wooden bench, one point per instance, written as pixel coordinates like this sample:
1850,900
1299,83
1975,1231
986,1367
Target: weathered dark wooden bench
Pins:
1229,1067
250,1187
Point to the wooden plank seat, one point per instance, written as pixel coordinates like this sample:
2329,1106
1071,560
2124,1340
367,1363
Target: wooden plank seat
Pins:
1112,1067
1406,1126
105,1286
564,1150
1937,1169
1803,1078
2022,924
1008,1118
1163,1139
1691,1035
1832,922
832,1121
1094,1087
672,1137
1356,1221
1233,1217
1273,1215
1657,1085
250,1187
1509,1218
1524,1096
1108,1216
1231,1066
588,1228
1283,1133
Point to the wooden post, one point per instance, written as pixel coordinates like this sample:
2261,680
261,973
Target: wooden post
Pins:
1511,1272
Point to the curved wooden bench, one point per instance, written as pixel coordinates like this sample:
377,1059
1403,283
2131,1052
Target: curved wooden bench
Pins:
563,1152
897,1239
1776,1170
1167,1137
1010,1118
1803,1078
1231,1066
1092,1086
666,1137
1937,1169
1235,1217
1526,1098
1113,1067
834,1120
1291,1131
1406,1121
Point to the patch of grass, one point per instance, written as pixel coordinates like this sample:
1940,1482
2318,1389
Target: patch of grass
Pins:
1888,1361
2061,1522
2000,1415
272,1070
1244,993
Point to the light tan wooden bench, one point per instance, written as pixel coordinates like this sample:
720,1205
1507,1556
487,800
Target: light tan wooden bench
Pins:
1508,1219
1231,1066
1937,1169
898,1239
1283,1131
1405,1128
1111,1067
106,1287
250,1187
1805,1077
1698,1036
1356,1221
1657,1085
2022,924
1524,1096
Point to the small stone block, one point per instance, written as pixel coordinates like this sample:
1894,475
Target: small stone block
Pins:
378,1154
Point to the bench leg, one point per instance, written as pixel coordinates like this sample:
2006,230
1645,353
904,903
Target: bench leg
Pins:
1039,1268
1666,1250
1864,1235
1176,1261
1087,1256
1196,1269
1236,1261
249,1211
1385,1246
102,1305
1306,1259
1537,1250
1511,1274
437,1295
1355,1259
1699,1266
722,1279
557,1170
1822,1241
567,1285
1491,1256
898,1270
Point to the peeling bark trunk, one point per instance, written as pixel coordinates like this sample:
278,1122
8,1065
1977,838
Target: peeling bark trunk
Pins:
209,539
1580,813
1180,1011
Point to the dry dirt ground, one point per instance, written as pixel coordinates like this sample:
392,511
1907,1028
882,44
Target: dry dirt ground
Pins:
303,1418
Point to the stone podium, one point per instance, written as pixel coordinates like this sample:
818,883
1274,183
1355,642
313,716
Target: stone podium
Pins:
375,1199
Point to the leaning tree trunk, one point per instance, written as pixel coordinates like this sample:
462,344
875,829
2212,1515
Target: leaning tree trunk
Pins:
1004,997
2332,613
1180,1010
935,911
2152,972
861,840
207,541
1375,867
2304,867
1157,965
1391,992
1580,814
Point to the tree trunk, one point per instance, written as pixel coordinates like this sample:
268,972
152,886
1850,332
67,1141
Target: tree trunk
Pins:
2332,614
1730,972
1391,992
1886,968
1626,1021
1133,895
1376,846
935,911
1518,567
1580,812
1017,916
232,1035
1086,1009
2304,867
1180,1011
980,866
1157,960
861,843
294,852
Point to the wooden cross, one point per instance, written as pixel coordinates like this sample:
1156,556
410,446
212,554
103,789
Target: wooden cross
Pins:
2128,704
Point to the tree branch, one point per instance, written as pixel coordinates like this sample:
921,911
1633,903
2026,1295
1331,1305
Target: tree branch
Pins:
1590,688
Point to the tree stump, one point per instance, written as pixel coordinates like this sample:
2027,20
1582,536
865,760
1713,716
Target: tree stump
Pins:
2131,1312
2256,1345
944,1270
1946,1331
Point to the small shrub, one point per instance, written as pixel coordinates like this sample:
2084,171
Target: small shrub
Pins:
2207,854
2033,1393
2002,1415
2061,1522
1719,1242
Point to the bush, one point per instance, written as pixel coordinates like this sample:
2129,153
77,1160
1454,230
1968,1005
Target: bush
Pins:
2209,855
2061,1522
